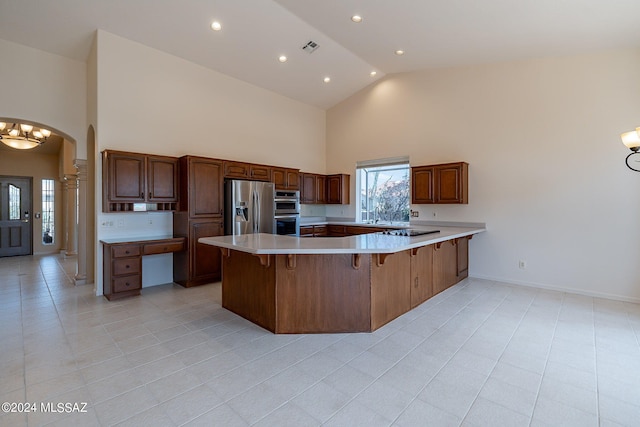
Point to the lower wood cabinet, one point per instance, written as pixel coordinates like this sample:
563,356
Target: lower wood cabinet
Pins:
200,264
421,274
351,230
320,231
390,290
450,263
313,231
336,230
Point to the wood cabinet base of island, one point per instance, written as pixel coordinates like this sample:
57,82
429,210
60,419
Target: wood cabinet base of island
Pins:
336,293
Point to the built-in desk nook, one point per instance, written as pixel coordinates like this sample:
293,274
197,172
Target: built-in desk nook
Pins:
122,260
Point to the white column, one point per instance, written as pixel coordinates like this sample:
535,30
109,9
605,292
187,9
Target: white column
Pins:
62,234
81,275
71,186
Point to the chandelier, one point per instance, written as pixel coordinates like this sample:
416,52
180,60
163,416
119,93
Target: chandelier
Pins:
22,136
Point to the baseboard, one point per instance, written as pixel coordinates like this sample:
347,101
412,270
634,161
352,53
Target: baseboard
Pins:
559,289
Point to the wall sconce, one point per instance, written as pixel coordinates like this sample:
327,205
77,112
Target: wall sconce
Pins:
632,141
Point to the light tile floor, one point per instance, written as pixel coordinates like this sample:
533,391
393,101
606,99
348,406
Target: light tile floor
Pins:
479,354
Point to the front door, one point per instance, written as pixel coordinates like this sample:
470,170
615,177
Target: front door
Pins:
15,216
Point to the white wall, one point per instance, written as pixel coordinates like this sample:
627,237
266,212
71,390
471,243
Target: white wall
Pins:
157,103
44,88
546,172
152,102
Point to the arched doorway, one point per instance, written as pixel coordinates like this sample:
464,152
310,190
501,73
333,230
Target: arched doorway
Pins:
59,223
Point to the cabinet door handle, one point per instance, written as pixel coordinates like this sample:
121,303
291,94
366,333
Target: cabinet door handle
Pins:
415,285
126,284
142,195
126,252
149,194
127,266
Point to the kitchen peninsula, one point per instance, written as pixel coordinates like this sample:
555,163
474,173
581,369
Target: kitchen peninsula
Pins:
337,284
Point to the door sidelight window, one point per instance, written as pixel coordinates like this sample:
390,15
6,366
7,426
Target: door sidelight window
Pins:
48,211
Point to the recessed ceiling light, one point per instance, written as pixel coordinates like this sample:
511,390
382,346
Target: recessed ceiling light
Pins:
399,52
373,73
216,26
356,18
282,58
327,79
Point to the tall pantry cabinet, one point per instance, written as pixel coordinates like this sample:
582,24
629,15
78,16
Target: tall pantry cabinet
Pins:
200,214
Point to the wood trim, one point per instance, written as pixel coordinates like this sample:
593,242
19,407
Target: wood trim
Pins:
291,261
265,259
355,261
226,252
381,258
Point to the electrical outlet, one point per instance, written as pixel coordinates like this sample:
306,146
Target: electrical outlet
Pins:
150,221
415,214
107,224
522,264
434,214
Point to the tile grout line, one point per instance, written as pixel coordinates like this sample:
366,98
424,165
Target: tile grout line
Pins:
422,341
595,351
546,362
496,364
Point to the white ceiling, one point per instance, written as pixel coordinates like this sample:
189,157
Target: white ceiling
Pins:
255,32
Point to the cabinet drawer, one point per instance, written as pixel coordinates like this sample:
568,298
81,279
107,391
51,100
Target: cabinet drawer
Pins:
125,251
126,283
320,231
306,230
163,247
336,230
127,266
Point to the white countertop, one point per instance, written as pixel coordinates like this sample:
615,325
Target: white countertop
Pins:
362,244
114,240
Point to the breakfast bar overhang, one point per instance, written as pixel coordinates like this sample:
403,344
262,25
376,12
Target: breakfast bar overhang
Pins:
358,283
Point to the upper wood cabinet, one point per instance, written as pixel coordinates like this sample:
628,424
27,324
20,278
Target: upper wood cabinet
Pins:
241,170
285,178
324,189
440,184
162,182
321,189
260,172
338,189
236,170
201,187
422,185
129,178
308,188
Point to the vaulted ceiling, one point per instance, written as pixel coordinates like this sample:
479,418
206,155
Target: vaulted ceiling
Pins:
255,33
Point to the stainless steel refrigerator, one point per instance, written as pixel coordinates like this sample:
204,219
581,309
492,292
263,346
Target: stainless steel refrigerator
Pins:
249,207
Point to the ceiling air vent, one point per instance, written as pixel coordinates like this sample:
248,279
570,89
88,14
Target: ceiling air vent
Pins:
310,47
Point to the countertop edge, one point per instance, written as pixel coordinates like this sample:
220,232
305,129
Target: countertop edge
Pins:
406,244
